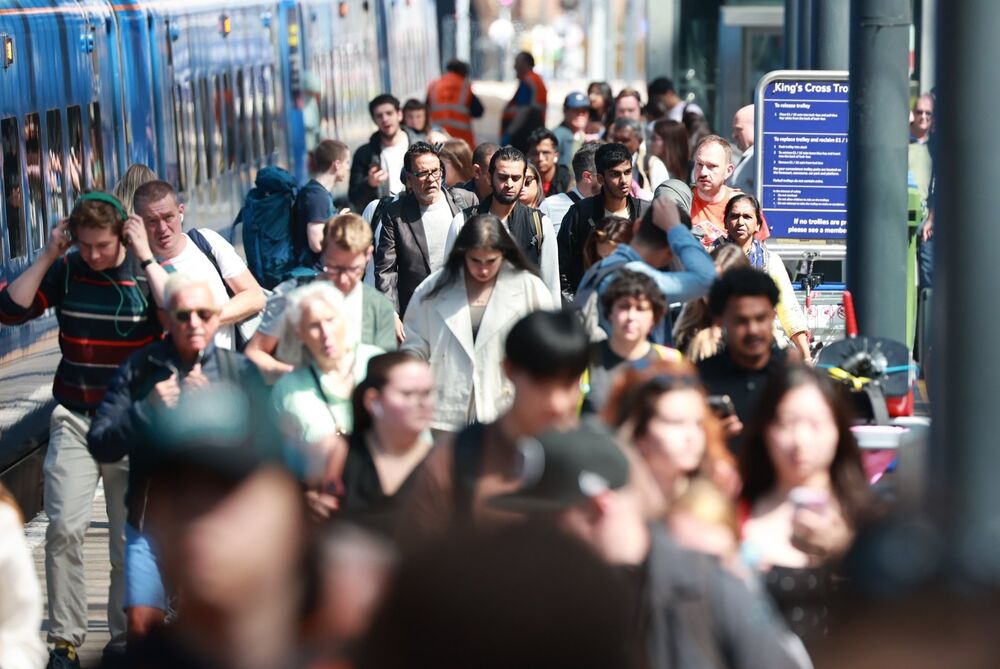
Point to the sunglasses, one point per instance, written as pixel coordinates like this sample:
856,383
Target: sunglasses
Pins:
184,315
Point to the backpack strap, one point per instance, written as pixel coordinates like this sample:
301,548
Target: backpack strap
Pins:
574,196
536,219
205,246
467,458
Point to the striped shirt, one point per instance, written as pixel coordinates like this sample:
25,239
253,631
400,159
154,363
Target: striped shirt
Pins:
103,318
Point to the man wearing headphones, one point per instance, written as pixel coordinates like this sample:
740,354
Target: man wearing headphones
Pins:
415,226
105,296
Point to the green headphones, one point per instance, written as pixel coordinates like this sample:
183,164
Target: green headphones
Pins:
97,196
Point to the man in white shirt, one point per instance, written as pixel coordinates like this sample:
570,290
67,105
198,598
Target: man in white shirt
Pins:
585,173
375,170
662,88
529,228
744,177
233,286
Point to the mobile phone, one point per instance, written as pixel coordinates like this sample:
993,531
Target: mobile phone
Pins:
721,405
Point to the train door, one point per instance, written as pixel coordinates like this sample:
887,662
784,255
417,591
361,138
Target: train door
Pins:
136,86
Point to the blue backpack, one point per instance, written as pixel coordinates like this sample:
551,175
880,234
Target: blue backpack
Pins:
267,217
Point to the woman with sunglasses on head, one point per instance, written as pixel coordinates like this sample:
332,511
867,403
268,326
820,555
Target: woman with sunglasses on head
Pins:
743,219
460,315
804,492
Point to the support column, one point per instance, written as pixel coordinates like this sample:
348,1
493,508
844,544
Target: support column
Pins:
831,20
805,35
877,165
792,34
965,363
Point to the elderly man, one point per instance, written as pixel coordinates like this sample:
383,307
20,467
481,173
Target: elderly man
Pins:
158,375
744,176
203,254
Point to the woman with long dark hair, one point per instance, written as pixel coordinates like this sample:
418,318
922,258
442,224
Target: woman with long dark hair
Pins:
393,408
460,315
804,492
669,155
601,103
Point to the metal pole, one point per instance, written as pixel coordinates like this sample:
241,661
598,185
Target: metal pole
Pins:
661,39
805,35
792,34
831,20
877,164
928,40
966,365
463,31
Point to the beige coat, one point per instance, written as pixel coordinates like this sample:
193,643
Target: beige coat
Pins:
439,330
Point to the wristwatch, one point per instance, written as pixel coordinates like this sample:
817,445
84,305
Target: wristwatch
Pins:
147,262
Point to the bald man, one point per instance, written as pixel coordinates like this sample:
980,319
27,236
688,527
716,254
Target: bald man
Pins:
744,177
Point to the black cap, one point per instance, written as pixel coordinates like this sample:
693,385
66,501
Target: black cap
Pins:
561,469
221,429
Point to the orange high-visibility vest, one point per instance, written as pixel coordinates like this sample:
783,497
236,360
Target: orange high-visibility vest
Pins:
449,100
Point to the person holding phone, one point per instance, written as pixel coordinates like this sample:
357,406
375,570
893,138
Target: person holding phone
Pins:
105,294
804,491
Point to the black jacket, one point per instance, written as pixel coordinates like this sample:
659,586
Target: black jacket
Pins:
402,260
699,615
561,182
524,225
122,422
581,218
367,155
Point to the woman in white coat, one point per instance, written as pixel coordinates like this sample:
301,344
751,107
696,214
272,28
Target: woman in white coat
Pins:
459,317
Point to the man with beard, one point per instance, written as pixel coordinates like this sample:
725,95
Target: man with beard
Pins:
614,174
743,302
415,226
529,227
375,170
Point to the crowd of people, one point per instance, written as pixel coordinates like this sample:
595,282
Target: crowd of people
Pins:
542,399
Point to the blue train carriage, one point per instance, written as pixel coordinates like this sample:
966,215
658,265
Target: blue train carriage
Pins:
219,99
341,51
59,133
411,56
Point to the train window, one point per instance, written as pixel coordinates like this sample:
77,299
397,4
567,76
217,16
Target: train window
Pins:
230,115
13,190
267,80
74,117
96,171
206,126
241,115
253,89
179,138
220,153
37,220
54,174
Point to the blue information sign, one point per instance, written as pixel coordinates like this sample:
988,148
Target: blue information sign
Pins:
801,146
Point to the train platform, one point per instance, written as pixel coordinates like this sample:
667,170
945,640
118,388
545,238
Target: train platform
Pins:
97,565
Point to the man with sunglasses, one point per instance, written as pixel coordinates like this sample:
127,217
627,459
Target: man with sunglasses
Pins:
153,377
415,226
345,253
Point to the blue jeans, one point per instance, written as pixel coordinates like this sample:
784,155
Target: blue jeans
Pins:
143,584
925,261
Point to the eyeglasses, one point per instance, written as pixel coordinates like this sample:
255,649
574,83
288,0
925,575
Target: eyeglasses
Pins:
427,175
184,315
343,271
923,112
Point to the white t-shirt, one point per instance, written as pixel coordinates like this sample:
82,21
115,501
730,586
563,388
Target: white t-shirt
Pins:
437,221
193,262
392,163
